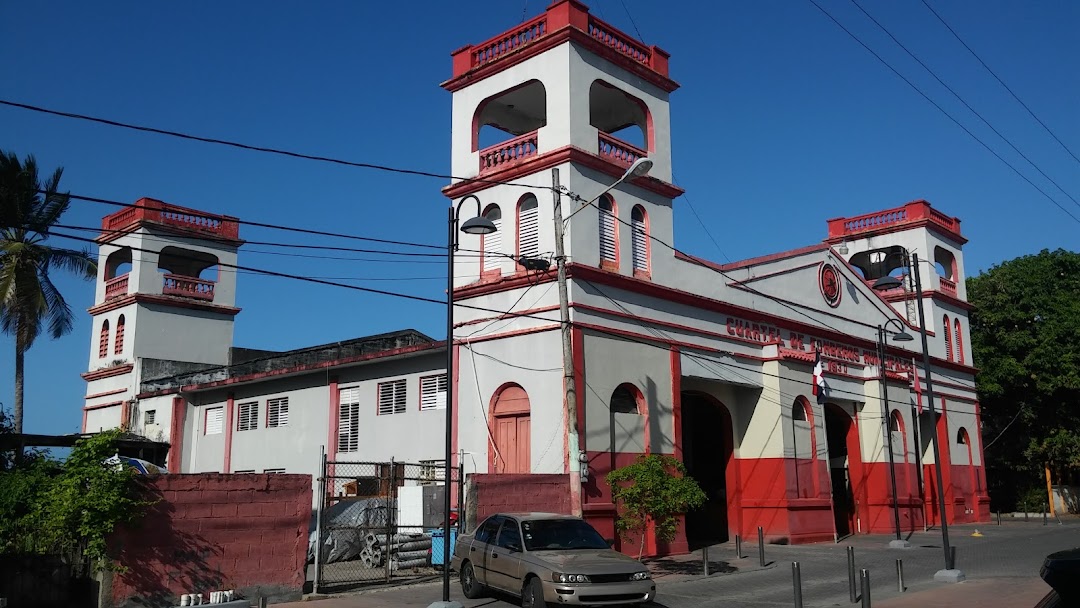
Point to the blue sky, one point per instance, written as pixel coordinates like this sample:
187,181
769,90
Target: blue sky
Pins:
782,121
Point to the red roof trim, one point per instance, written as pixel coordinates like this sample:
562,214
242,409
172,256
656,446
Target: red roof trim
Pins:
146,298
108,372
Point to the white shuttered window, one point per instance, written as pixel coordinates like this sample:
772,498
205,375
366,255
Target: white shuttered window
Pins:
248,419
640,239
215,418
392,397
349,420
277,412
433,393
529,227
608,252
492,243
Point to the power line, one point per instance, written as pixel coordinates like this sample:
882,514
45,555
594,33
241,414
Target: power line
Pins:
708,233
943,111
243,146
632,22
963,101
1000,81
308,279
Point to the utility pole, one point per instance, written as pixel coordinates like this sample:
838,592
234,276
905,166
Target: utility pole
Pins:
569,389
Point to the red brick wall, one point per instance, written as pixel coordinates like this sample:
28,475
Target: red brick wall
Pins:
505,493
214,532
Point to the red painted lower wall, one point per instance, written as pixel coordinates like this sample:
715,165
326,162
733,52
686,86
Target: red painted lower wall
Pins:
214,532
492,493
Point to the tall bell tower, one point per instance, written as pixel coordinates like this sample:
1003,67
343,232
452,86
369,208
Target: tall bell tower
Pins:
162,302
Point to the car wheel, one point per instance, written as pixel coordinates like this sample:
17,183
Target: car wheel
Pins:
532,595
470,588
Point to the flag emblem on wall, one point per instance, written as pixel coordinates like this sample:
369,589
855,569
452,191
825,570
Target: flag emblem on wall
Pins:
821,388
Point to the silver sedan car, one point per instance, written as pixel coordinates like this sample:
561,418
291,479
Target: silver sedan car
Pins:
548,560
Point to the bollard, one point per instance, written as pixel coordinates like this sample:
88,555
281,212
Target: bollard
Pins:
953,550
851,573
761,545
262,602
999,517
864,587
900,575
738,547
796,581
705,559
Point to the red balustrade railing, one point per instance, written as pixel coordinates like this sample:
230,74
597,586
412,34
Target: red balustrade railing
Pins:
915,211
508,153
188,287
154,211
508,42
116,287
614,39
947,286
618,151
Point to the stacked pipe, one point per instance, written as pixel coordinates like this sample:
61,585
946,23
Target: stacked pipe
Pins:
403,550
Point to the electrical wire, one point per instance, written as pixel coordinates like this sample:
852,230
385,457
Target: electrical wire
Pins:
1000,81
964,101
943,111
708,233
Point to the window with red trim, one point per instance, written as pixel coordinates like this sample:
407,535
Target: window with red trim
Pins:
959,335
639,227
609,248
103,340
948,337
118,347
491,244
528,227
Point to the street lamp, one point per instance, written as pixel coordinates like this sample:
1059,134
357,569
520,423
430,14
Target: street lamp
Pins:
899,336
950,573
480,225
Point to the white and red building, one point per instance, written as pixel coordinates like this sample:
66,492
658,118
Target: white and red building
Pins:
672,354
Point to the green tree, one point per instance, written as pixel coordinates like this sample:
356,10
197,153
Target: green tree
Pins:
653,489
1025,334
29,301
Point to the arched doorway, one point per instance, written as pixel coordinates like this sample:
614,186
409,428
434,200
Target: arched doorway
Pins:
970,480
510,431
708,452
845,468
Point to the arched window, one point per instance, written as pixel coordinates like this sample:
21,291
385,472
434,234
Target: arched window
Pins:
896,423
798,410
103,340
626,400
491,244
962,436
959,335
640,240
528,229
609,246
947,330
118,347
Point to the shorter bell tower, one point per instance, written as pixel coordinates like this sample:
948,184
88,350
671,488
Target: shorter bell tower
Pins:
165,299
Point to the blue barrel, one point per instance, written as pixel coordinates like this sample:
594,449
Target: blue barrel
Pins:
437,545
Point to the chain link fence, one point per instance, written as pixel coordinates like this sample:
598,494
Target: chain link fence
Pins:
380,522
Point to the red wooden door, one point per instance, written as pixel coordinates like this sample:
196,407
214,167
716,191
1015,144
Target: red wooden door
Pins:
510,422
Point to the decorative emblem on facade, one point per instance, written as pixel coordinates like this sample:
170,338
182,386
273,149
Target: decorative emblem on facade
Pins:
829,281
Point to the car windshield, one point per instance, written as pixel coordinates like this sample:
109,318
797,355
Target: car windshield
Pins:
555,534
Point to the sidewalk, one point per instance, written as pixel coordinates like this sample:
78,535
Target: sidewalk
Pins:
987,593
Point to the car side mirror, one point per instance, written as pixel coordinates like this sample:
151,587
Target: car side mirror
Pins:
610,542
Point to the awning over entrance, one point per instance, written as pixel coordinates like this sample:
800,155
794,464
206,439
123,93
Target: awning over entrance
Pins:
719,368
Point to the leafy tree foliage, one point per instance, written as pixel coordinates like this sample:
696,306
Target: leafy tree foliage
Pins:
653,489
49,506
1025,334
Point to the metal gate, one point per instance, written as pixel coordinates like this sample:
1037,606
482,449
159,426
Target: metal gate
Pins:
378,521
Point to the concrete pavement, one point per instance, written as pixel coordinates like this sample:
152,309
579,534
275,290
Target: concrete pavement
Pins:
1002,567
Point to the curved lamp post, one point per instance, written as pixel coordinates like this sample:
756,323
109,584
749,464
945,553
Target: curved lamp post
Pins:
886,283
899,336
480,225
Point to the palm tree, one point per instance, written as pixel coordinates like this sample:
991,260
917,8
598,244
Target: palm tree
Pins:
28,298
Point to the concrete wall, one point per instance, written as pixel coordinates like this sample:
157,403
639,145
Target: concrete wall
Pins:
209,533
490,494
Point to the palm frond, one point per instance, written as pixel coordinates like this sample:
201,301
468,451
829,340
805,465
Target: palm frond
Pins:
78,262
59,313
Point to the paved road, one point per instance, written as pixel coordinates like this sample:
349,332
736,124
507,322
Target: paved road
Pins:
1005,557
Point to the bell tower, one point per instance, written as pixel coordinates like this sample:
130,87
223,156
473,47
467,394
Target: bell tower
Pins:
162,300
563,90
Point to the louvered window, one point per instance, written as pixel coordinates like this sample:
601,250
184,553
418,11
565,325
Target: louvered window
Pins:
959,335
274,471
103,340
608,252
349,420
150,417
392,397
215,418
948,337
433,393
248,420
118,348
640,239
528,227
492,243
277,412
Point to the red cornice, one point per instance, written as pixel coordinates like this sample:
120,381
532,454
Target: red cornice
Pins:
146,298
116,233
519,279
773,257
550,41
108,372
106,393
87,408
936,295
900,227
566,154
